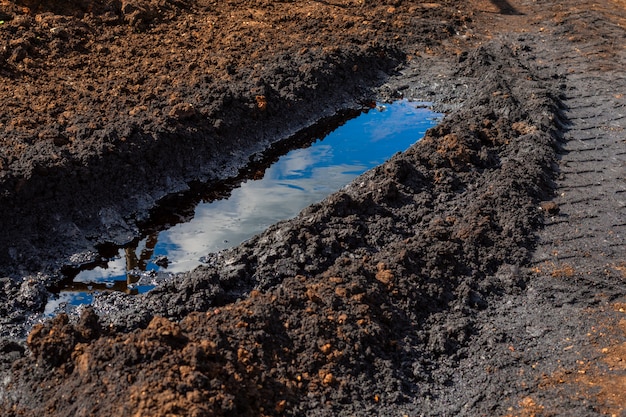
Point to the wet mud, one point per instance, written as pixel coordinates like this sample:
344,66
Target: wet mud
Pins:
480,272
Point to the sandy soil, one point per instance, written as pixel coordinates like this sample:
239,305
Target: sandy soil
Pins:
481,272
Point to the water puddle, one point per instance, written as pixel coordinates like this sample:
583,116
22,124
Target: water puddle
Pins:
189,227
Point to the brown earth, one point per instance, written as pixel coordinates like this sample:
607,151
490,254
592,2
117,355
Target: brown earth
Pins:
481,272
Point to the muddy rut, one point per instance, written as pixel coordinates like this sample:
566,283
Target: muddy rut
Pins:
480,272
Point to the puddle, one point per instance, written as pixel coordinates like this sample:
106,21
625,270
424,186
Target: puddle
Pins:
297,179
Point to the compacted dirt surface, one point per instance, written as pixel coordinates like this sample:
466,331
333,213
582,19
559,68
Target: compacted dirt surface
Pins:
481,272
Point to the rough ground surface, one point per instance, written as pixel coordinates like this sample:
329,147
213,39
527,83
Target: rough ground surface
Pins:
109,106
479,273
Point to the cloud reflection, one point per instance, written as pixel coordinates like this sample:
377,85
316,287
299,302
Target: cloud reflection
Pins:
296,181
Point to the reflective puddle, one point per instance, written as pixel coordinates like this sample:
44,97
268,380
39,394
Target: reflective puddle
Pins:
297,179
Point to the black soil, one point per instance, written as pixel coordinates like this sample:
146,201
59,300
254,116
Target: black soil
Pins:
480,272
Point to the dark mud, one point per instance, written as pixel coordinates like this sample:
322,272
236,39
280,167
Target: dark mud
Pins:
428,286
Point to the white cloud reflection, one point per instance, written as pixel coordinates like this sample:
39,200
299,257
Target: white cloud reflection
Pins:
290,185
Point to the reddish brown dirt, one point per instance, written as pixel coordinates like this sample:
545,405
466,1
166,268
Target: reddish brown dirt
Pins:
478,273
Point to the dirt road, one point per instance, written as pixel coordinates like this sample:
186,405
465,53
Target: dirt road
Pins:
481,272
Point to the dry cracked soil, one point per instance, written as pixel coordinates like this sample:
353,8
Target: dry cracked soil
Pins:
479,273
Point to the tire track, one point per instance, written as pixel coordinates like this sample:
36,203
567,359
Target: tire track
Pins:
578,263
580,248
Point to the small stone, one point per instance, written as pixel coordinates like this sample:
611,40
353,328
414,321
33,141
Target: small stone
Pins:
550,207
162,261
280,406
261,102
58,32
329,379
